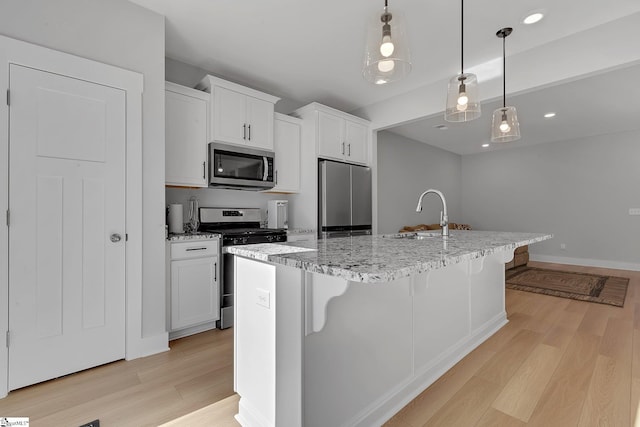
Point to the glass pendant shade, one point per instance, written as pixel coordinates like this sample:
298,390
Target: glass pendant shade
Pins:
463,102
386,56
505,127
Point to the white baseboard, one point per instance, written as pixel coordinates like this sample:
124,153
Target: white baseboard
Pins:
192,330
587,262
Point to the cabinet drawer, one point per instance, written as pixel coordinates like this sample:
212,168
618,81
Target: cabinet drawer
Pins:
194,249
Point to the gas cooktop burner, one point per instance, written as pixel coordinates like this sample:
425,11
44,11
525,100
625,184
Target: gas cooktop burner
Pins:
242,228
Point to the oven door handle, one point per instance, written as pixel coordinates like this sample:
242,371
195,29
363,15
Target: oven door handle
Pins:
266,168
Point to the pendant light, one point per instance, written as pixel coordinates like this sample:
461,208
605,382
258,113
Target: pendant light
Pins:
463,102
505,127
387,55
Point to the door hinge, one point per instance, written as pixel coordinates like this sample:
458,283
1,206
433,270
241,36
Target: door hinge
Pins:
8,97
8,335
8,217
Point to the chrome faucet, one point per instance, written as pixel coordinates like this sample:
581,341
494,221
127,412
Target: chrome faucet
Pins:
444,218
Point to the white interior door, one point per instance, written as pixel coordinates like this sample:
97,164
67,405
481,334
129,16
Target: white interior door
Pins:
66,199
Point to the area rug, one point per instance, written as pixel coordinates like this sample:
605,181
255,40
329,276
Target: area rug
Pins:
580,286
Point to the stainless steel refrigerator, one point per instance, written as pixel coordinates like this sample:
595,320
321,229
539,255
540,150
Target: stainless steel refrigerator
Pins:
344,199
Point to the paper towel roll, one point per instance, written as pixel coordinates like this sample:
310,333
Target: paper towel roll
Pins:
176,224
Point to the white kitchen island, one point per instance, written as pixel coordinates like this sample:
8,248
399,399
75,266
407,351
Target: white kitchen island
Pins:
346,331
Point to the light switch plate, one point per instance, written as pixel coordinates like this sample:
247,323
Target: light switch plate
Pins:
634,211
263,297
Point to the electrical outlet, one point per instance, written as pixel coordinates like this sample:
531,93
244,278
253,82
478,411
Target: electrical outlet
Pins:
563,246
634,211
263,297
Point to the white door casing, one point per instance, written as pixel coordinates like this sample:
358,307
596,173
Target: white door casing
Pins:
67,196
21,53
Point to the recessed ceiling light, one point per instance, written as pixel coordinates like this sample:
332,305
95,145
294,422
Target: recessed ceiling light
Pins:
441,127
485,145
549,115
533,18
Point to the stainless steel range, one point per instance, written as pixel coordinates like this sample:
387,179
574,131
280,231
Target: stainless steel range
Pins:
238,226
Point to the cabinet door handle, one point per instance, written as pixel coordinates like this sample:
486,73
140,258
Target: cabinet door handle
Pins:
249,132
343,148
204,168
349,150
276,178
196,249
215,272
244,131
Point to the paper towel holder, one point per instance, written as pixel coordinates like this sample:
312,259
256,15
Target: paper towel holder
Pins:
174,218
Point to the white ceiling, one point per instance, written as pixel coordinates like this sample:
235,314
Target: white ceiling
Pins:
304,51
596,105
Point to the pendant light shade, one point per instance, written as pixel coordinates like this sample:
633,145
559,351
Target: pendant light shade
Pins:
386,56
463,101
505,126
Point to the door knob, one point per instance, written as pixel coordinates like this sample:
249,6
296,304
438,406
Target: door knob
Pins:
115,237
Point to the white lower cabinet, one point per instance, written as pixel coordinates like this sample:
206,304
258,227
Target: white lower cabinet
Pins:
193,290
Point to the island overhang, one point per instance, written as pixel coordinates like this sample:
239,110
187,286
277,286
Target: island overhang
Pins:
347,331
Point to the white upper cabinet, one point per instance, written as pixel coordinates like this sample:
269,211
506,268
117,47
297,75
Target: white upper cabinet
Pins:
340,136
186,136
356,137
330,135
287,139
260,123
229,124
239,115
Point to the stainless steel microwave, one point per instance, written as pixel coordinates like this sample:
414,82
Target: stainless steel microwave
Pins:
241,168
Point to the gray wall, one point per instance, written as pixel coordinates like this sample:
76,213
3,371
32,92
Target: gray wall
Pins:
189,75
580,190
125,35
406,168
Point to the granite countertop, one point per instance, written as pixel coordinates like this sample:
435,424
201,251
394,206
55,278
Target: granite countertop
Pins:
383,258
199,235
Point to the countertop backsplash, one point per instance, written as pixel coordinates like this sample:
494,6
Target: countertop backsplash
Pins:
209,197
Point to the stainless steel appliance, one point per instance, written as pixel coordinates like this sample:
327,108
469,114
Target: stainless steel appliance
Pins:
240,168
278,214
238,226
344,199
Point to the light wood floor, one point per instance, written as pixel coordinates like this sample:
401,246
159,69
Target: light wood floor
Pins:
197,371
557,362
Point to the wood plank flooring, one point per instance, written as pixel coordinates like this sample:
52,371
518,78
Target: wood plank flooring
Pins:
150,391
558,362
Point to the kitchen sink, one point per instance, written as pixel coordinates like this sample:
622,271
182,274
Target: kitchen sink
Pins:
417,236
